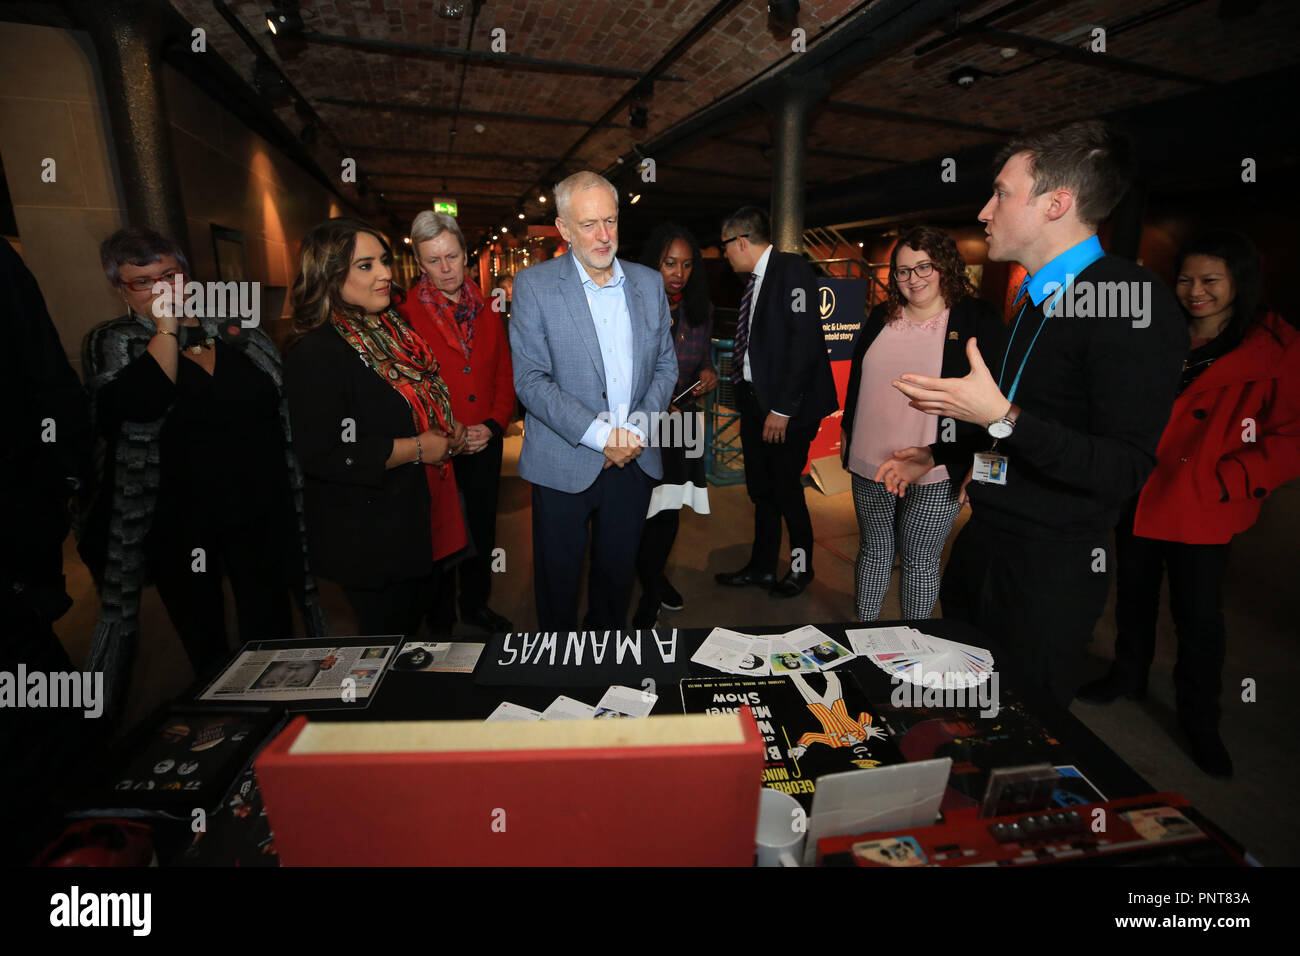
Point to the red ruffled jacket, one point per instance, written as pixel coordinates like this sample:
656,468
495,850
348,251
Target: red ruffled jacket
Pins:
482,388
1233,437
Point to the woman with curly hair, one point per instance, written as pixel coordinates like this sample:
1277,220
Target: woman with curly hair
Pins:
373,428
930,313
673,251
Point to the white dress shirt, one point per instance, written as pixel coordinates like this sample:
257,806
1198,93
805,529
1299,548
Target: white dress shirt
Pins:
760,267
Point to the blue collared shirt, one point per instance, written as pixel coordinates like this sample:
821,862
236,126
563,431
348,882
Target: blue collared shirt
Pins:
1067,265
608,305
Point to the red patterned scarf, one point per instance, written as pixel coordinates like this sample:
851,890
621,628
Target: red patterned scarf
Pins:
401,358
455,320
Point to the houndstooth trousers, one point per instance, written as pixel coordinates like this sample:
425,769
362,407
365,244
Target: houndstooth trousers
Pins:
917,526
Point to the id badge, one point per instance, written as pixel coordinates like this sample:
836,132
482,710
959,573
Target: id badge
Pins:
990,468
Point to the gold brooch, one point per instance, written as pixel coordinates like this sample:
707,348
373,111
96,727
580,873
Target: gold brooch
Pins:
952,336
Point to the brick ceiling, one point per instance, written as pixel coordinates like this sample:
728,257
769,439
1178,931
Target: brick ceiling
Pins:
396,112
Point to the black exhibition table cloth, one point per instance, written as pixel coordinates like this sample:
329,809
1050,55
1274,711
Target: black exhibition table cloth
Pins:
426,695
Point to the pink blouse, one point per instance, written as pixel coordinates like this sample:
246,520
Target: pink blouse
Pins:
883,421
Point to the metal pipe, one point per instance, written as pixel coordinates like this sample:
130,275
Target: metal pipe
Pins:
789,134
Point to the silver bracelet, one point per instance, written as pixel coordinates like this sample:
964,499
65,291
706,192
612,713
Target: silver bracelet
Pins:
419,452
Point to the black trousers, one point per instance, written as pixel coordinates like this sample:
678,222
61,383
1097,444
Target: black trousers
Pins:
614,509
1196,573
774,480
394,609
251,554
1038,600
656,544
478,478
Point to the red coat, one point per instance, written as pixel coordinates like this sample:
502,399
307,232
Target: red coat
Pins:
1205,455
482,387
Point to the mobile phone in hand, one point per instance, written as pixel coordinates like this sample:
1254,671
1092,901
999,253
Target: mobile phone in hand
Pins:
688,391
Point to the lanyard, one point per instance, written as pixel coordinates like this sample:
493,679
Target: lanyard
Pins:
1076,269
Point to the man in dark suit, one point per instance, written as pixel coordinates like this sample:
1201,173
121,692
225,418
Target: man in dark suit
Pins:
594,365
784,388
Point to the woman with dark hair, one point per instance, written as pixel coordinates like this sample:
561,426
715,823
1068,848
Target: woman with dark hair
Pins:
373,426
1233,437
675,253
196,475
903,505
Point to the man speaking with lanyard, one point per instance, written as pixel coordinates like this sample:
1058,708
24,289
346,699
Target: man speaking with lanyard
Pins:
1073,410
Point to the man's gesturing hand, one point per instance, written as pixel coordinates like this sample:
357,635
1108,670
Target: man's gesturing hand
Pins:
622,446
907,467
973,398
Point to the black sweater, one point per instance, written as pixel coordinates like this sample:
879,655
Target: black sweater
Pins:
367,525
1095,396
969,317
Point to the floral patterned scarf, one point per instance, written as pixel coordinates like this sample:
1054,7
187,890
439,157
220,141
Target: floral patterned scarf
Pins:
401,358
455,320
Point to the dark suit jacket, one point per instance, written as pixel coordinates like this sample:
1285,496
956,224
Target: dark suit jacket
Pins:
367,526
969,317
787,349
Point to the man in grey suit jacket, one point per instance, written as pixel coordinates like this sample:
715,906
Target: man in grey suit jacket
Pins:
594,364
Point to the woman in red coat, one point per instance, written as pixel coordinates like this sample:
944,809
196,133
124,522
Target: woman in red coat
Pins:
468,338
1232,438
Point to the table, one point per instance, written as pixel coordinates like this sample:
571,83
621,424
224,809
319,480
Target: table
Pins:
450,696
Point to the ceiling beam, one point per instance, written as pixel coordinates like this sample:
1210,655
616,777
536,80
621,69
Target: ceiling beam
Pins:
480,57
1102,61
901,116
448,111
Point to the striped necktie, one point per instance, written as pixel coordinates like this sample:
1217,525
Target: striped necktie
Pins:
742,333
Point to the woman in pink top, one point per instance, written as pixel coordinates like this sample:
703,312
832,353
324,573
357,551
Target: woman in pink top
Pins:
923,325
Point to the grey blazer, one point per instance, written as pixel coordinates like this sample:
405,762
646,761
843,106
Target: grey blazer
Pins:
559,375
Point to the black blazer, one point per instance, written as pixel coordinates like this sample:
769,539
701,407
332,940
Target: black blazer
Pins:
367,525
969,317
787,349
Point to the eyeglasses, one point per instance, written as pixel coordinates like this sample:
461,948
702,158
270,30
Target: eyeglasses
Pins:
146,283
743,235
922,269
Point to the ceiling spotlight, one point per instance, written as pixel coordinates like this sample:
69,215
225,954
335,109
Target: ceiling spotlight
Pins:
453,9
285,21
784,10
541,199
636,198
407,240
521,215
965,76
479,128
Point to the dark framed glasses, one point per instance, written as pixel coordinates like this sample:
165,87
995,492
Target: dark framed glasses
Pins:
922,270
743,235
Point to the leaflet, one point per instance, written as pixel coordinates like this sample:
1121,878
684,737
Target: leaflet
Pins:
338,675
445,656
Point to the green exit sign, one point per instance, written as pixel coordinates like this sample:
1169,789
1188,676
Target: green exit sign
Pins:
445,205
